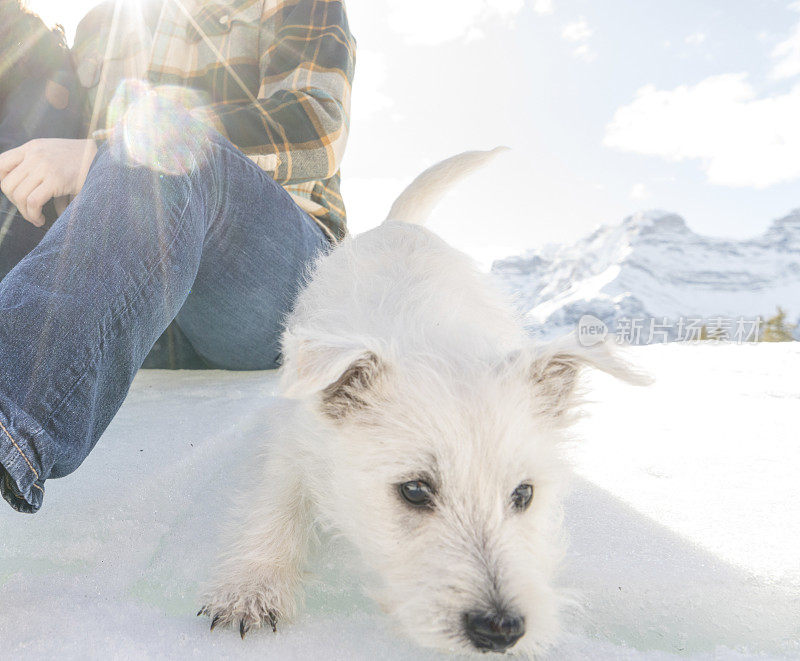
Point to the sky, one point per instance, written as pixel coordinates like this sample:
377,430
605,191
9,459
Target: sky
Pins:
689,106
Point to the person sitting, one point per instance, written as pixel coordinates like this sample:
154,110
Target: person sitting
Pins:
214,186
39,98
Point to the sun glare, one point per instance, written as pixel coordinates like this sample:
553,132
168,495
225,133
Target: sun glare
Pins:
68,14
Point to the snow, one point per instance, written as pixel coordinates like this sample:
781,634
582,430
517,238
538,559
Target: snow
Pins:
684,524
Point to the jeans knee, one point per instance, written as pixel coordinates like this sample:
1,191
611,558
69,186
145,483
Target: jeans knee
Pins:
116,180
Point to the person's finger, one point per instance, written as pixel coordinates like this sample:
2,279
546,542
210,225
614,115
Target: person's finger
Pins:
36,199
11,159
13,179
19,196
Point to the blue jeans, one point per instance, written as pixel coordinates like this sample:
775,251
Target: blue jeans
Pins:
219,248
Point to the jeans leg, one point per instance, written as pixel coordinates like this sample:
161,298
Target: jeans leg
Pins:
80,312
17,236
250,273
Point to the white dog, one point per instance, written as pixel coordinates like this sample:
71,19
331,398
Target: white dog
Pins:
421,424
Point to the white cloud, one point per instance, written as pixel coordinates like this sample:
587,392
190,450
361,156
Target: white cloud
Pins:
787,55
695,39
432,22
639,192
543,6
740,138
787,52
585,53
579,32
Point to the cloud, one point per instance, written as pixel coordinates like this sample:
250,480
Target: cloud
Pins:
579,32
585,53
787,55
543,6
639,192
432,22
787,52
695,39
740,139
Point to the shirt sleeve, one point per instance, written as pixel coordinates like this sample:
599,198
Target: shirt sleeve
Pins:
300,119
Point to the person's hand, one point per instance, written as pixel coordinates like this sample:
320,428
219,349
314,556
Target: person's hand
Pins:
42,169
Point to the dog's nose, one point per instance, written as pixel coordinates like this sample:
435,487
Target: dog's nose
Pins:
494,632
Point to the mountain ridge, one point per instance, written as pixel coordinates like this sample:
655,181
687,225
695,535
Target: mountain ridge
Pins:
652,265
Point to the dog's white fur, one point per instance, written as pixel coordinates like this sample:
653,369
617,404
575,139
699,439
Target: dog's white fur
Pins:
403,362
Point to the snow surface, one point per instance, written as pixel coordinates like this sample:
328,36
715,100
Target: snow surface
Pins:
653,266
684,524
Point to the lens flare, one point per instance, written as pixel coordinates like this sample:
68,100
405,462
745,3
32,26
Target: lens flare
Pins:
154,127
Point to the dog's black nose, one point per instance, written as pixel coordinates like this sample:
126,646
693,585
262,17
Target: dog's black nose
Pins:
494,632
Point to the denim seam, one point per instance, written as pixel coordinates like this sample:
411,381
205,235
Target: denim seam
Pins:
114,315
24,456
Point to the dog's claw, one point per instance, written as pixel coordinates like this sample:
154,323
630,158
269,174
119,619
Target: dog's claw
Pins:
245,622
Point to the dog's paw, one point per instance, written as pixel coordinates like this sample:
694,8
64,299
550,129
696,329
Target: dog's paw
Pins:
246,610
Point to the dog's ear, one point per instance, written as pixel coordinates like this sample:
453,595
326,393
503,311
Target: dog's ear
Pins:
341,376
351,390
553,370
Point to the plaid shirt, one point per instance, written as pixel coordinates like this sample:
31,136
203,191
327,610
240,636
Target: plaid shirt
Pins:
273,76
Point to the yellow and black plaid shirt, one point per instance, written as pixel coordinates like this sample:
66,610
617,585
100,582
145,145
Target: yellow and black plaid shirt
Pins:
273,76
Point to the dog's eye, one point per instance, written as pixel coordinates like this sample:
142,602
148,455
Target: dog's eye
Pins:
522,496
417,493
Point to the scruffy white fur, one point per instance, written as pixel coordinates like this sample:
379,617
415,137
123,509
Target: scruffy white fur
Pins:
402,362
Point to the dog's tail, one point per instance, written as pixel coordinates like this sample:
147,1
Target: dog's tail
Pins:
418,199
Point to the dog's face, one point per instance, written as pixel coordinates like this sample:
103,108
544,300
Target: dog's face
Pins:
451,489
447,478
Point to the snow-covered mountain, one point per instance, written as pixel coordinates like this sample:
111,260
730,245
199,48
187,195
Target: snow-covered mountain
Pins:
652,266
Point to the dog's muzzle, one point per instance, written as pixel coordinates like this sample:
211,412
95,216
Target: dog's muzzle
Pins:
493,632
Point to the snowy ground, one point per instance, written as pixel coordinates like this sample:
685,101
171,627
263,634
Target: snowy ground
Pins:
685,524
